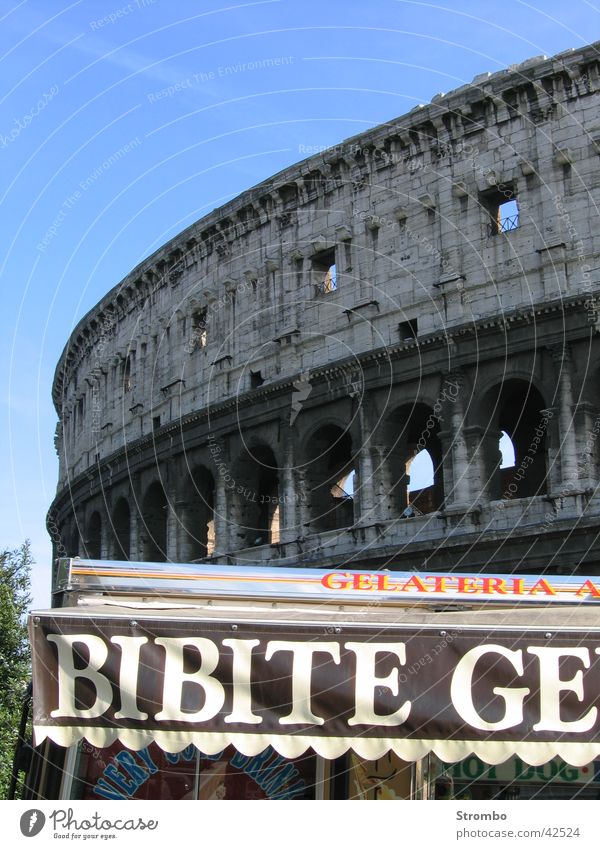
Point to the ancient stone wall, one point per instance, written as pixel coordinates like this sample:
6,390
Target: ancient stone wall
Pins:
260,387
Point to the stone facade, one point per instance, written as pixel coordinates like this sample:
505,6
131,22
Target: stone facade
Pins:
259,387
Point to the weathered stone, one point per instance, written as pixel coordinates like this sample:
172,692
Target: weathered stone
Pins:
262,384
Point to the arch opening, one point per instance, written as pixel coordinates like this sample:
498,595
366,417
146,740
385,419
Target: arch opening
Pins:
507,451
521,420
420,490
121,527
93,541
154,524
198,515
415,461
74,540
255,498
331,474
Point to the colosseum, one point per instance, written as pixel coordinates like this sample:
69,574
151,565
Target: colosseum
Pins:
265,386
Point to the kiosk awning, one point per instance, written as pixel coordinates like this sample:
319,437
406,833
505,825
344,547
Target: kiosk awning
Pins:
493,682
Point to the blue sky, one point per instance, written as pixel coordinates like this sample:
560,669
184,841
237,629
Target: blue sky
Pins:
167,81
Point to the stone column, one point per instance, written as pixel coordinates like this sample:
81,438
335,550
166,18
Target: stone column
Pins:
587,431
105,535
487,458
365,489
221,517
382,484
136,526
173,527
561,357
288,524
184,531
134,546
449,246
553,459
219,453
303,502
453,389
479,482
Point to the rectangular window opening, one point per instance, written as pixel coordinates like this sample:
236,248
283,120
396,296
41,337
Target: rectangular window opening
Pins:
256,379
502,206
508,216
325,271
408,330
199,328
126,374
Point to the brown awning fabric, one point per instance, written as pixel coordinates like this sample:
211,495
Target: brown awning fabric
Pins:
494,684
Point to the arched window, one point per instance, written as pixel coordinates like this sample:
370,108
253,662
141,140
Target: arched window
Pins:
74,541
521,420
198,515
126,372
93,542
420,469
255,500
154,524
121,521
325,271
344,488
507,450
330,475
421,481
414,461
330,279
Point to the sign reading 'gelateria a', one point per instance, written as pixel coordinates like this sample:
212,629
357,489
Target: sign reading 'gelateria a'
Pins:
407,688
348,586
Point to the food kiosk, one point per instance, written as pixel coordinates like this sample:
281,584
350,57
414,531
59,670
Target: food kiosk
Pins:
164,680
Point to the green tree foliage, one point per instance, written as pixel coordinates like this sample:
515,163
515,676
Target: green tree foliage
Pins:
15,659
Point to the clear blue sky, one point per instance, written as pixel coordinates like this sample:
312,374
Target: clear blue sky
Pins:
80,80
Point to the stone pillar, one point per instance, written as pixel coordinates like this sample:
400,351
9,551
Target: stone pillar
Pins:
134,546
288,524
561,357
303,502
383,485
460,493
105,536
478,479
221,518
173,527
487,458
184,531
553,459
587,431
448,248
365,490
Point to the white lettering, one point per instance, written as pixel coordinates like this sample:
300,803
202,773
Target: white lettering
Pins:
241,710
175,678
367,681
462,683
130,662
68,673
551,686
301,712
